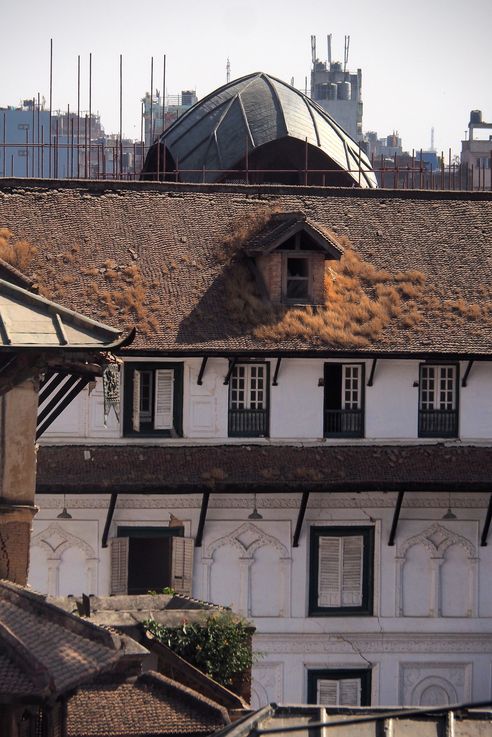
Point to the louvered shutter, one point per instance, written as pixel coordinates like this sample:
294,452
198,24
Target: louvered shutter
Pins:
136,402
182,564
339,692
163,413
349,692
329,572
327,692
119,547
352,570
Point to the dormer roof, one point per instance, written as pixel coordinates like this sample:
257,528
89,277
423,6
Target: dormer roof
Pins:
283,226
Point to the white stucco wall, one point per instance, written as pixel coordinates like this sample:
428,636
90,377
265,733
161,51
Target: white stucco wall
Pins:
252,566
296,405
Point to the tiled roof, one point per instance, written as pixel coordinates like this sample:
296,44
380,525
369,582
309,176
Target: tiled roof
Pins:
267,469
46,651
151,705
154,251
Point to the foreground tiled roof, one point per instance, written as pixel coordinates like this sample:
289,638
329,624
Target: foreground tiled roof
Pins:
154,250
45,651
249,468
151,705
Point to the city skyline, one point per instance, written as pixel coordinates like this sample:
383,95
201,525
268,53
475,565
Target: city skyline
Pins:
422,67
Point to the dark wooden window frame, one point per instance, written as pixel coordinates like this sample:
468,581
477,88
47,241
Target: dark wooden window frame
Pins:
128,370
339,674
305,256
366,608
440,434
231,432
149,533
360,433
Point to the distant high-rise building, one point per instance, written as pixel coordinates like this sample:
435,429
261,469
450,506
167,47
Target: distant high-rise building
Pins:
337,90
65,145
476,151
159,112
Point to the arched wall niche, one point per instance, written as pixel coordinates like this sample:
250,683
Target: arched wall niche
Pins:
258,555
424,587
54,541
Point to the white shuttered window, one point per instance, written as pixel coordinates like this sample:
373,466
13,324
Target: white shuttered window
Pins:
163,412
340,692
340,571
153,399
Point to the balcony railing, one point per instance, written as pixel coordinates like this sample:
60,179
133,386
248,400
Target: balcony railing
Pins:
344,423
248,423
438,423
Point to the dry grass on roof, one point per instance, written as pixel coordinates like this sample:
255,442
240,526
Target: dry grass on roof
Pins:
361,301
17,253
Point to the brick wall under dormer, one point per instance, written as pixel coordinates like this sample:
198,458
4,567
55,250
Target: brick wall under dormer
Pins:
270,268
318,273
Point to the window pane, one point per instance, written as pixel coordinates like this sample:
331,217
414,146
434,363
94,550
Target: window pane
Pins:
297,267
297,289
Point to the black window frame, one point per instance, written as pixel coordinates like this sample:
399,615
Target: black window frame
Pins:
140,533
359,426
340,674
233,432
128,372
423,430
366,607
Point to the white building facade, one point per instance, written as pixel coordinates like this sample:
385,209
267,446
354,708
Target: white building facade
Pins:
404,623
304,426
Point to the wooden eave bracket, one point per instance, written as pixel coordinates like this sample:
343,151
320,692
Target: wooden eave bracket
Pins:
486,526
109,519
464,380
370,381
300,518
201,521
232,364
277,369
396,517
199,381
57,404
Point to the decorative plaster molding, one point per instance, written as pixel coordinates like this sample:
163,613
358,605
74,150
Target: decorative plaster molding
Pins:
267,683
437,539
47,540
371,643
247,538
363,500
424,684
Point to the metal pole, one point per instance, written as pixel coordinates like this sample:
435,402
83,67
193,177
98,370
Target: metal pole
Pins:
164,94
78,117
33,134
38,130
151,136
306,162
42,151
121,115
4,144
90,110
85,146
51,103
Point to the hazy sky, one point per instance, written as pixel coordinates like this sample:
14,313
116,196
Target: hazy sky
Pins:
424,62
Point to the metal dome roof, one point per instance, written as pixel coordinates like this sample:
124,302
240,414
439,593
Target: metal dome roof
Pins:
253,111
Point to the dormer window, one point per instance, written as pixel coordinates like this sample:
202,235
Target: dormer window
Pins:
290,254
297,281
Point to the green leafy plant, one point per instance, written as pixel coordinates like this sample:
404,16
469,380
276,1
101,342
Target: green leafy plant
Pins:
220,646
166,590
